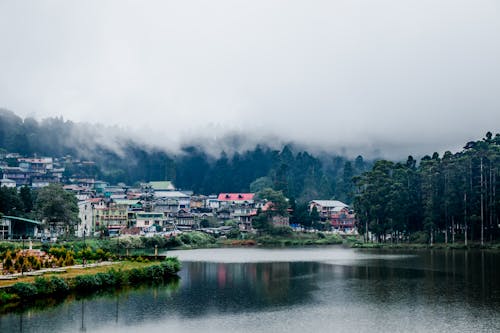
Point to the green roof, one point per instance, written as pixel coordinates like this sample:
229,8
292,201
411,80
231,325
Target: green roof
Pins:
21,219
162,185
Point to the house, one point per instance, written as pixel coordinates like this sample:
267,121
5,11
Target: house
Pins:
277,220
20,176
212,202
107,213
170,201
343,219
86,214
12,227
336,213
240,206
325,207
228,199
41,165
184,218
147,219
43,180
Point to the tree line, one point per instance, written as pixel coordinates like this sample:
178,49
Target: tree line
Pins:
443,198
297,173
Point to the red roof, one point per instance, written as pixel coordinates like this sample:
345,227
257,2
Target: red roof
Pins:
236,196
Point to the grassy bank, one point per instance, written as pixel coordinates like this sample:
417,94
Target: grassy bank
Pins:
84,281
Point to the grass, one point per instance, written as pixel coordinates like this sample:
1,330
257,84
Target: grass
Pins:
74,272
29,291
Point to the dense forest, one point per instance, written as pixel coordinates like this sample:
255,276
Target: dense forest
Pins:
448,197
299,174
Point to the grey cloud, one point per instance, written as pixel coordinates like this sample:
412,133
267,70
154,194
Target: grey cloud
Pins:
399,77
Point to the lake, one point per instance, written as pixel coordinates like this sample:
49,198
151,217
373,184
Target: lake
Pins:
320,289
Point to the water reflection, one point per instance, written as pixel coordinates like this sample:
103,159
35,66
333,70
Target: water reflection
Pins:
373,291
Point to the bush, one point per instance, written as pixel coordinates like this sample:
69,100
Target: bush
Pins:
69,260
151,242
59,286
172,262
106,279
24,290
85,283
173,242
6,246
7,297
43,286
7,265
280,231
136,276
154,273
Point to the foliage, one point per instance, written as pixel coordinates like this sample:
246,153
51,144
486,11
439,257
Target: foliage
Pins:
57,207
447,197
24,290
276,199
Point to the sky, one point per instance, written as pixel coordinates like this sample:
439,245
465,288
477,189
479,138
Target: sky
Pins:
388,77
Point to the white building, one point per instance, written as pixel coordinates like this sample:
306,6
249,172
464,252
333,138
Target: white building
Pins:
5,182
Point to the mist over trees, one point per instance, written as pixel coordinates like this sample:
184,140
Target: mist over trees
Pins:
298,174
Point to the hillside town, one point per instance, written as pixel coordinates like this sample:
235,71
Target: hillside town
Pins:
150,208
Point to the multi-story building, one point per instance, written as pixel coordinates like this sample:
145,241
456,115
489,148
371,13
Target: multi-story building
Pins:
336,213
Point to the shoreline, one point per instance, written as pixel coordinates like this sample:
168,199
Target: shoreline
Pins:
29,289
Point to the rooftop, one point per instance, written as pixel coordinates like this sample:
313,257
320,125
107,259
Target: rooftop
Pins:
329,203
236,196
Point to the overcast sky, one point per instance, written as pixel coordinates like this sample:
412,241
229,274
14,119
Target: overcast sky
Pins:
401,76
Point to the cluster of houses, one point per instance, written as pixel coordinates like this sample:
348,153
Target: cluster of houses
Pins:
152,207
35,172
158,207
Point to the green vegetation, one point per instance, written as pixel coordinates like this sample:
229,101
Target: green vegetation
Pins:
443,199
55,286
58,208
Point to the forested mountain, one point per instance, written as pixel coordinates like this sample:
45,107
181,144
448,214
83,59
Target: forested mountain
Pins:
299,174
454,195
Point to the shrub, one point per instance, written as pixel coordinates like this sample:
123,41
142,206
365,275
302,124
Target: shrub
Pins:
58,252
7,297
172,262
43,286
59,286
154,273
69,260
85,283
136,276
106,279
280,231
100,254
7,265
173,242
24,290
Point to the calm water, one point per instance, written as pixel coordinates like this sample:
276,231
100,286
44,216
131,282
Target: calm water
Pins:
295,290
